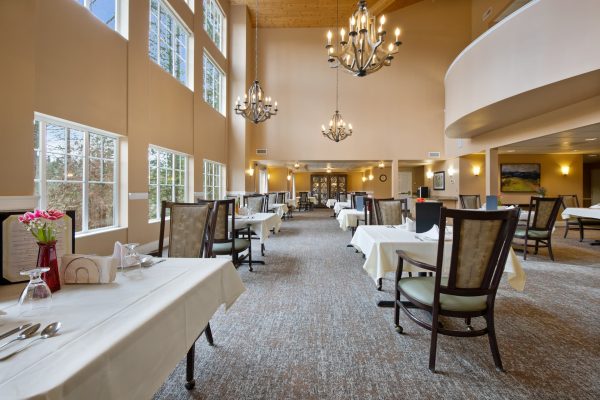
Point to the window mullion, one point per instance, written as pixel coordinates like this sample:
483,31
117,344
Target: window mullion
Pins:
42,161
86,171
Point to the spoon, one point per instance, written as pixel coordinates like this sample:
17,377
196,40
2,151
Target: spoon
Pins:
26,334
48,332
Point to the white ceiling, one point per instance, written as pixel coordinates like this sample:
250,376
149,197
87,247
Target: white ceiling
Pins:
584,140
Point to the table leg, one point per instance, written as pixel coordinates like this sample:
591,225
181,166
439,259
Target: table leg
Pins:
189,369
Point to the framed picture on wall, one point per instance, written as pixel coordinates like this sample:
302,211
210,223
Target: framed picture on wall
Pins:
519,177
439,180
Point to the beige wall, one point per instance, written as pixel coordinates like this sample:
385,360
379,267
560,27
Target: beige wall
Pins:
65,63
452,182
469,183
379,189
405,101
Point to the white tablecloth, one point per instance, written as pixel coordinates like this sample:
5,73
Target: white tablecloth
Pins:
279,208
349,217
119,340
340,205
292,203
581,213
261,223
330,203
379,244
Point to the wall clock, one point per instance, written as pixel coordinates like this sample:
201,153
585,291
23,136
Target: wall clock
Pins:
383,177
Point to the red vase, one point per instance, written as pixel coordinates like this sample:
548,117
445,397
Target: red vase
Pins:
47,258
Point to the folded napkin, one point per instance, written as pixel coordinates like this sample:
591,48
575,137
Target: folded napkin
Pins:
411,225
433,234
596,206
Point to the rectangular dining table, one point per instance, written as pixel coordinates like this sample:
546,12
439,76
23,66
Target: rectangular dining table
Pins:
120,340
379,244
340,205
349,218
261,223
591,212
280,209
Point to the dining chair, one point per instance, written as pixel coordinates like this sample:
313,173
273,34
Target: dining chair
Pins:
543,211
480,246
256,203
581,224
189,237
304,205
342,197
226,240
270,200
470,201
391,211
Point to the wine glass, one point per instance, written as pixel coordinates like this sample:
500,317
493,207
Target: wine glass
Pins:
130,259
36,297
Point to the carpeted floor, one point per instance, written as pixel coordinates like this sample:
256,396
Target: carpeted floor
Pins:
308,328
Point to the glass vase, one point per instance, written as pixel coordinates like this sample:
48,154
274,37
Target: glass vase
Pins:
47,259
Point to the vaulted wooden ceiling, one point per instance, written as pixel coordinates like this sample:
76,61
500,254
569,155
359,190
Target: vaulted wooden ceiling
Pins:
312,13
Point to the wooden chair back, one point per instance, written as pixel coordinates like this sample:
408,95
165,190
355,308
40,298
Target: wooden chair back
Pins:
224,213
342,197
255,202
545,210
271,199
391,211
281,197
188,227
481,242
470,201
569,200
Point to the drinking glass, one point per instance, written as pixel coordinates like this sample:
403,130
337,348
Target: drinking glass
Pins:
130,259
36,297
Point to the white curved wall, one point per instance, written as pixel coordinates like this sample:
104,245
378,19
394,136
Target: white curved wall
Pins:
545,42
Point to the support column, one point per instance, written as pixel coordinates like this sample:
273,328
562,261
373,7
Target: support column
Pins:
491,172
394,177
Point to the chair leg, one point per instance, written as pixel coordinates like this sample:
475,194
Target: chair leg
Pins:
379,283
493,342
262,249
549,244
189,368
581,232
536,247
468,323
397,312
433,348
208,334
566,230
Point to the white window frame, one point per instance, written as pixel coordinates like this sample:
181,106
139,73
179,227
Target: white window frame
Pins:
43,200
223,78
189,62
121,15
221,179
214,4
173,153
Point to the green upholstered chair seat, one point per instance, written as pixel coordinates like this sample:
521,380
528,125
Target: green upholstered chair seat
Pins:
422,289
520,233
225,248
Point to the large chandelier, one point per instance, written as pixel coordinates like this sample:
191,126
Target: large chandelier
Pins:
257,107
337,126
364,52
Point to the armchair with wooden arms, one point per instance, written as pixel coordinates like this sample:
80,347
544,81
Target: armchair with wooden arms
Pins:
470,201
544,210
480,246
391,211
190,227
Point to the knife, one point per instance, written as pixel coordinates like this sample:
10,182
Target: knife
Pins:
12,332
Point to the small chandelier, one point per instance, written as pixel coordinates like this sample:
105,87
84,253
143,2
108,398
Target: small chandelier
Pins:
337,126
364,52
256,107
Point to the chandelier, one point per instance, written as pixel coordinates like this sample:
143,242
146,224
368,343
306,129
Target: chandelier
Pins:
257,107
337,126
363,53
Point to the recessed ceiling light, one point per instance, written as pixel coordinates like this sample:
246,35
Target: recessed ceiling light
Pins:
593,155
510,151
591,139
566,143
573,150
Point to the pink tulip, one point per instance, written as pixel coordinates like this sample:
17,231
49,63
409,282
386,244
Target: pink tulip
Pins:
53,215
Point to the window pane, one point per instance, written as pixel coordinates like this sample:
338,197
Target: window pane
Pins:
109,144
75,142
56,137
55,167
67,196
100,205
166,193
104,10
152,210
179,193
74,168
153,37
95,171
108,171
95,145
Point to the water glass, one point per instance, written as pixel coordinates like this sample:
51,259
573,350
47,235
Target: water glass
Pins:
36,298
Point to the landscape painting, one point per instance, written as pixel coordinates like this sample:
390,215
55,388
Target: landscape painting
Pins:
519,177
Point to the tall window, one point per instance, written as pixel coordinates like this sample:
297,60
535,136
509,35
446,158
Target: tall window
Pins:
167,179
169,41
104,10
214,180
214,23
76,168
214,84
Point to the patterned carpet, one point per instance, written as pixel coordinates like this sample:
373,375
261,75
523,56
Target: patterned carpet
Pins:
308,328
